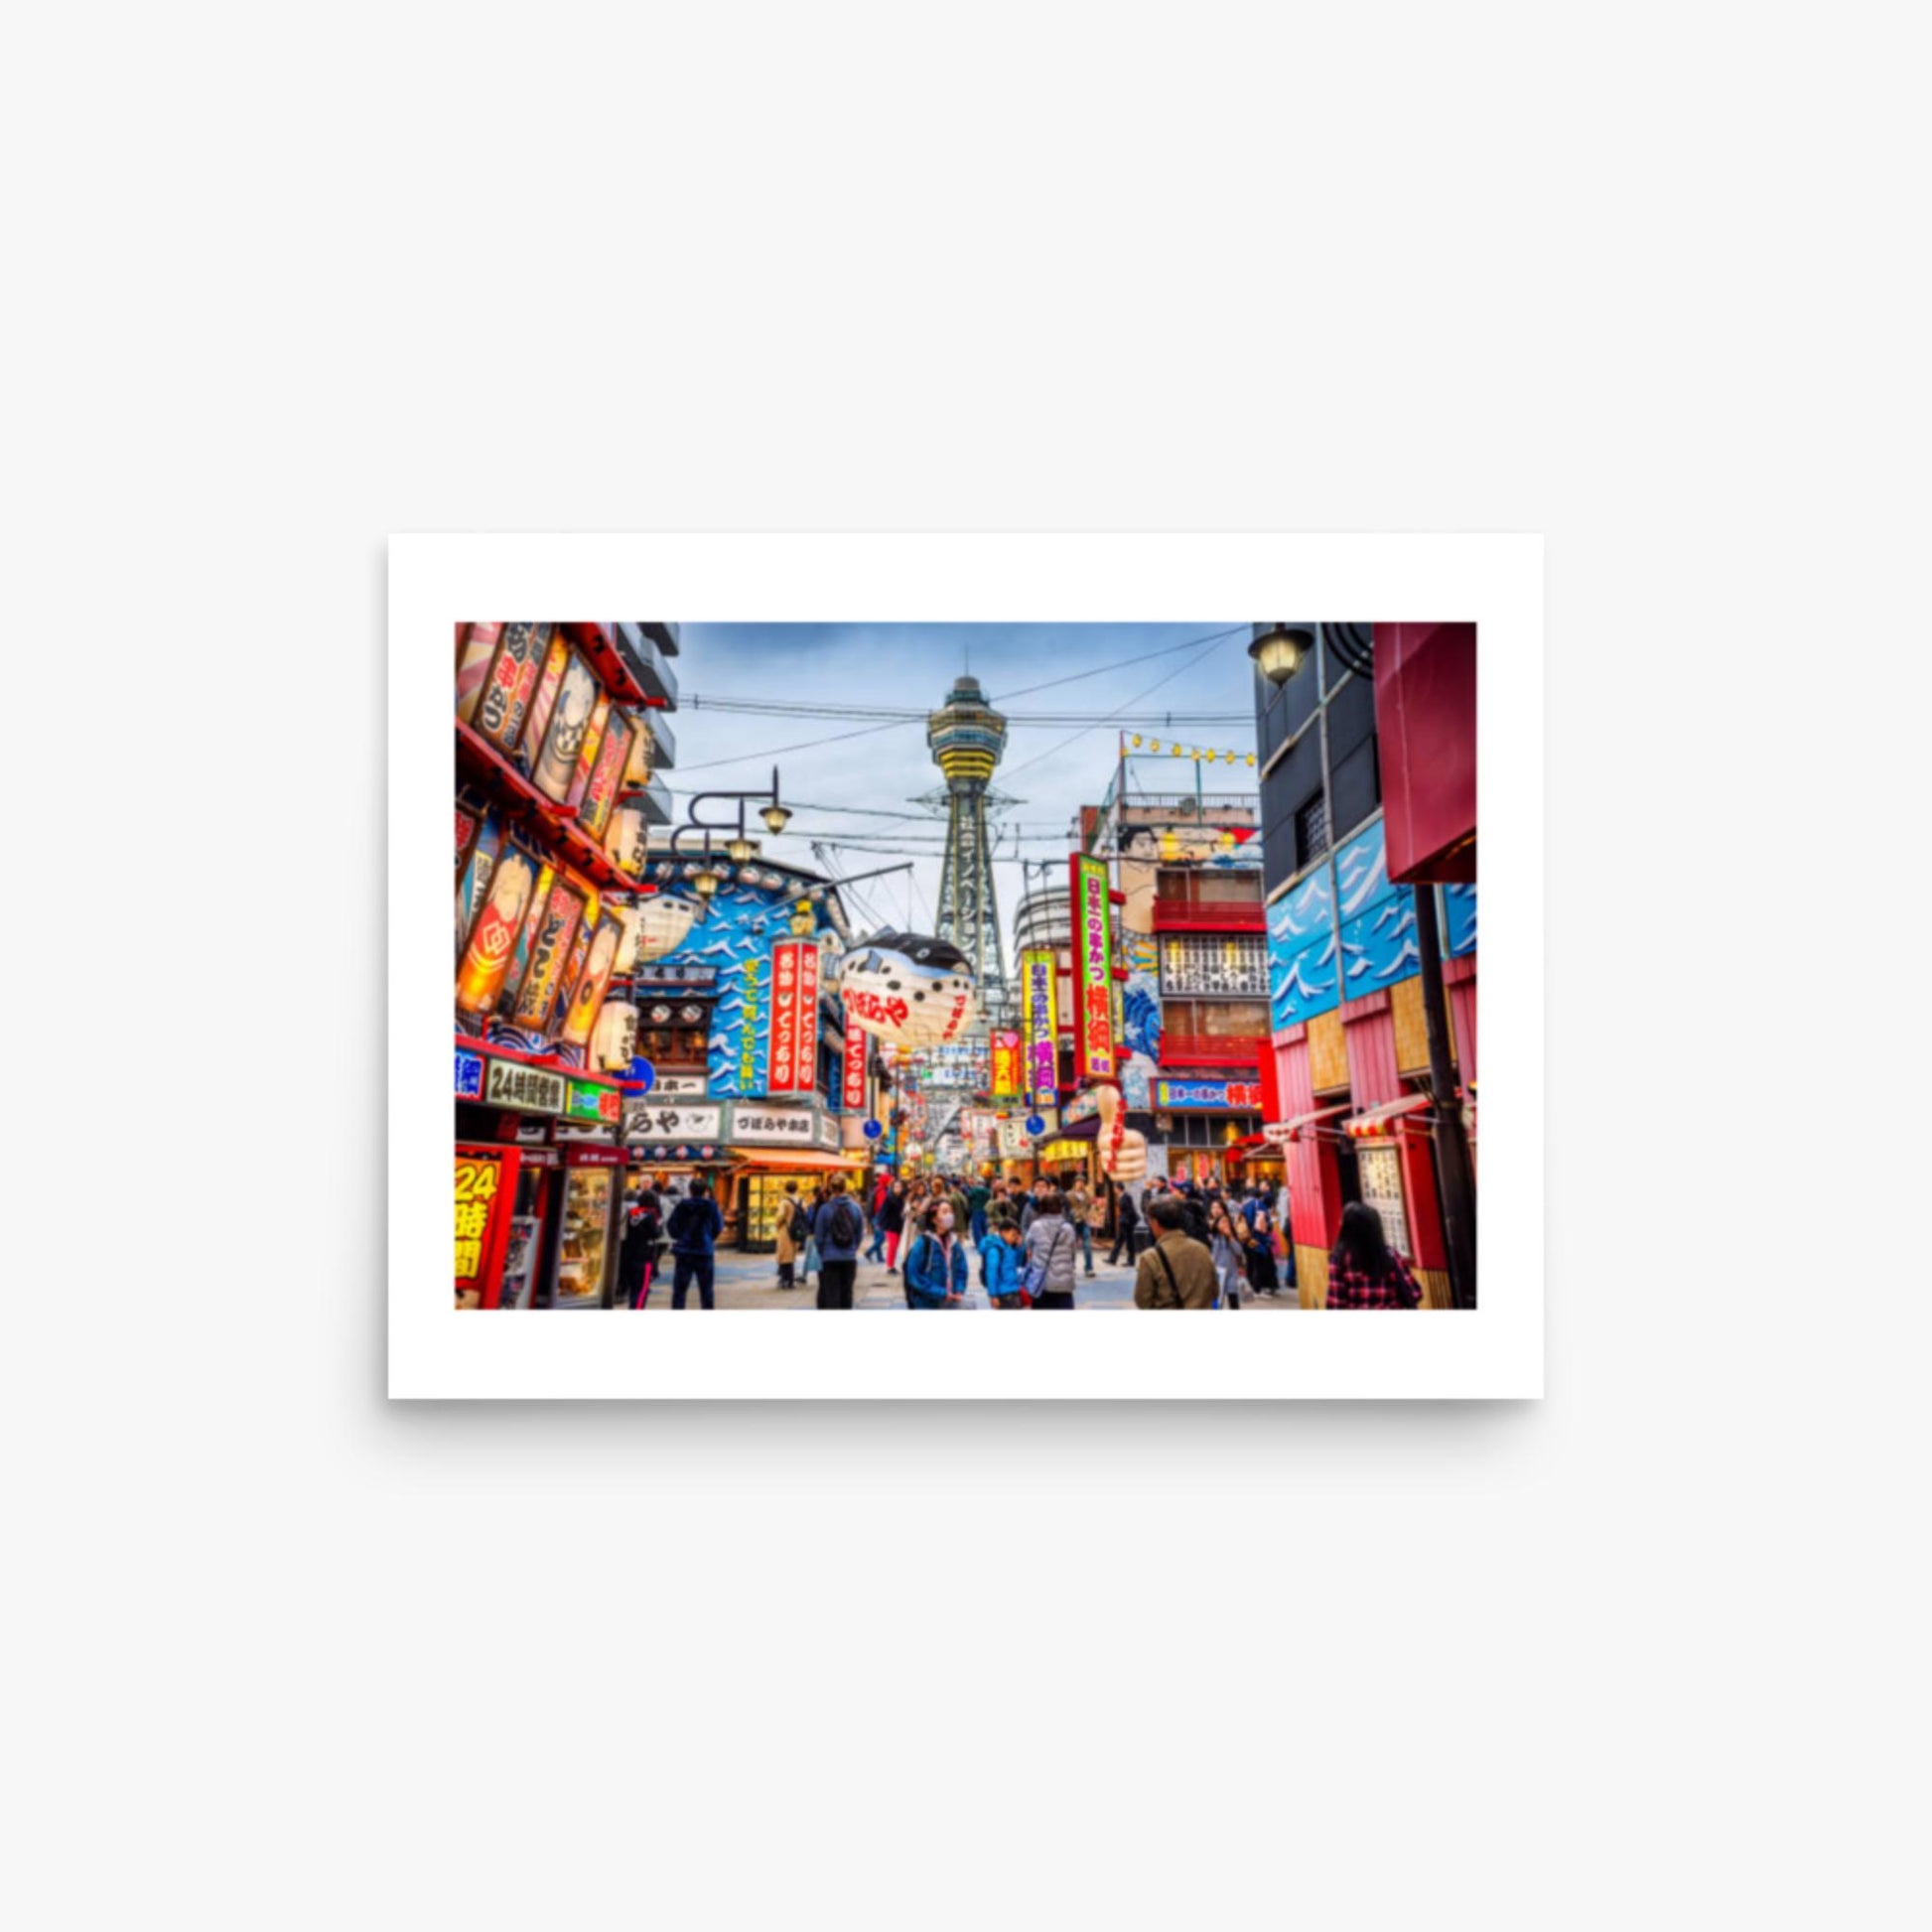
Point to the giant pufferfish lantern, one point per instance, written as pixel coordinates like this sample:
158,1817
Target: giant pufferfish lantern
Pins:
1123,1148
908,989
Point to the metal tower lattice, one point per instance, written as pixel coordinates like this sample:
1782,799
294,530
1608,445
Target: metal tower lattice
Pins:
967,736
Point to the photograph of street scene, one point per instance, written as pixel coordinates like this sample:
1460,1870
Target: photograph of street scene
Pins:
1004,967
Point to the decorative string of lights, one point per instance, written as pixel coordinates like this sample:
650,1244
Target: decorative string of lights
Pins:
1155,748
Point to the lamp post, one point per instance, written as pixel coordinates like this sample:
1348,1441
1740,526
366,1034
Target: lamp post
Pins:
775,816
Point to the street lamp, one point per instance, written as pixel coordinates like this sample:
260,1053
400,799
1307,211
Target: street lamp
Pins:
1279,651
707,881
738,850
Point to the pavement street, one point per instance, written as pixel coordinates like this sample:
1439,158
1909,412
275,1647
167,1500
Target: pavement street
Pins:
751,1282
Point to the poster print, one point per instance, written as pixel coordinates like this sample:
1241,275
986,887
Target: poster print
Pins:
1133,949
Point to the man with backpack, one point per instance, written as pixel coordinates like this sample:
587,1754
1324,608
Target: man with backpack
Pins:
694,1229
838,1229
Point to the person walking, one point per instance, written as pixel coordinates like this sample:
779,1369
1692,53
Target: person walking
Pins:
1226,1245
643,1241
1176,1272
1263,1275
1030,1212
1000,1267
792,1232
881,1195
977,1197
839,1229
1049,1247
1364,1272
694,1229
1126,1219
892,1218
935,1264
1079,1210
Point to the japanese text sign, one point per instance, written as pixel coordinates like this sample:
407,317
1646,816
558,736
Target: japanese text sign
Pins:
1093,972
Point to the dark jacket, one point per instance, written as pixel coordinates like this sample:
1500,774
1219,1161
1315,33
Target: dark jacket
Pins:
828,1249
695,1226
641,1241
892,1218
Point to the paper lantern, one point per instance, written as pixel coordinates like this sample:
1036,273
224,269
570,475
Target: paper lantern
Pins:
662,924
614,1045
908,989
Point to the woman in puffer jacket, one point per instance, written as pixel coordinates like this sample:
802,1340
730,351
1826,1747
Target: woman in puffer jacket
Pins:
1051,1240
935,1264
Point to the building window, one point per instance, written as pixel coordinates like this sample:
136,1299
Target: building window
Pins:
1311,830
1213,1019
1204,962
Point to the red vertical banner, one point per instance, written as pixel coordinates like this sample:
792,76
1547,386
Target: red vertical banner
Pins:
486,1186
1093,972
853,1095
781,1074
806,1071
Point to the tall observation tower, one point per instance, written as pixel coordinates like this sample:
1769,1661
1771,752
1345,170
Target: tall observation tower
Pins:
967,736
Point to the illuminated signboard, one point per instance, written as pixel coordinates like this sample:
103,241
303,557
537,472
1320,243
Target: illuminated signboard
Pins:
1093,972
469,1075
1234,1094
853,1093
589,1101
485,1184
1006,1065
792,1064
525,1089
1037,1012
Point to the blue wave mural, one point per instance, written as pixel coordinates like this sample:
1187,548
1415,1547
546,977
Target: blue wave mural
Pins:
1302,974
1345,931
742,926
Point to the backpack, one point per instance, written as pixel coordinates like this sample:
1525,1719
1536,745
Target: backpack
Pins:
844,1229
801,1223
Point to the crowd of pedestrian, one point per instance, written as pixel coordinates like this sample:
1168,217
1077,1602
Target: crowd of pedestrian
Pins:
1191,1244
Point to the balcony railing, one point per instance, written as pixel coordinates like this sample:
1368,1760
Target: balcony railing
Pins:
1211,1050
1173,914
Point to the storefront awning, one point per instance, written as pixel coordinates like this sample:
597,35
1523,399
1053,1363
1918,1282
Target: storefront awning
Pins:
780,1159
1280,1131
1381,1120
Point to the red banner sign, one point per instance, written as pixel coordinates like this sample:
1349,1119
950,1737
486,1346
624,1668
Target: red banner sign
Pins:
853,1095
793,1063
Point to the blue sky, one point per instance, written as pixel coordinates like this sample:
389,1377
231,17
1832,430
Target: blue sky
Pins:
1052,769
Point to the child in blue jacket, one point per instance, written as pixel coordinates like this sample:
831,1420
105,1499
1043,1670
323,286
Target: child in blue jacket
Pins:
1000,1266
935,1267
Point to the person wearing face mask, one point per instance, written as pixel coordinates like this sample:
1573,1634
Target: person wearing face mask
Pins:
935,1265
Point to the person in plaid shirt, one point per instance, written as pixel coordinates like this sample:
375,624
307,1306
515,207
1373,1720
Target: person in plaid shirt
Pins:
1364,1272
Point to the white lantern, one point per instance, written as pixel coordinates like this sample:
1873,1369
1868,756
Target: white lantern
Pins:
615,1044
908,989
662,924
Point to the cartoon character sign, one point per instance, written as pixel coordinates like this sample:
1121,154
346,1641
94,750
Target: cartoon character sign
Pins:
908,989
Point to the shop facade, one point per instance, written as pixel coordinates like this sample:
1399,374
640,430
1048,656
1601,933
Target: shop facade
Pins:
1353,1110
538,1182
560,742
